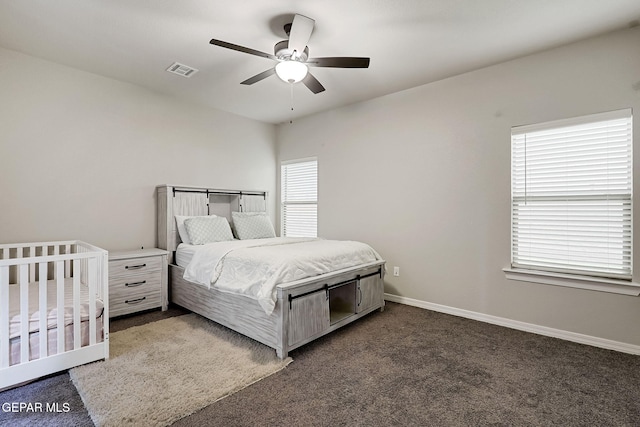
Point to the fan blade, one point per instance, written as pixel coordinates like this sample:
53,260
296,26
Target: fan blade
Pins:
312,83
339,62
263,75
301,29
242,49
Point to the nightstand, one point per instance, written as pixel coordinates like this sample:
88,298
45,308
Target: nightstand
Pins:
137,281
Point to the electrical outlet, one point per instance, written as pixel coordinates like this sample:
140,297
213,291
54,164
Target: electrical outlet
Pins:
396,271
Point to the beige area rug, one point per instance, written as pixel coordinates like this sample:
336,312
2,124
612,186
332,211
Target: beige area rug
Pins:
163,371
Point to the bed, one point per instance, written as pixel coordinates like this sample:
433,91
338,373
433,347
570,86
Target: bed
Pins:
53,308
293,307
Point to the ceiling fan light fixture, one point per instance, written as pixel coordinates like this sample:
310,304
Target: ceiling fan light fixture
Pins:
291,71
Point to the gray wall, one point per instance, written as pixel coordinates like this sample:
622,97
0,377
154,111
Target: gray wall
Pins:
80,154
423,175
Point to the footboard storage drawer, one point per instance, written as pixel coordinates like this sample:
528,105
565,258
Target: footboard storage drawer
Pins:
370,291
308,316
137,281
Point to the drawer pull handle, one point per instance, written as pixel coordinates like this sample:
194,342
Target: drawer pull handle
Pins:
135,301
134,284
133,267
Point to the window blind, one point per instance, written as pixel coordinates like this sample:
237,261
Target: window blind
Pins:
571,195
299,198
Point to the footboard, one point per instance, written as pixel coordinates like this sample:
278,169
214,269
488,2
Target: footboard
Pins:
314,307
53,308
305,309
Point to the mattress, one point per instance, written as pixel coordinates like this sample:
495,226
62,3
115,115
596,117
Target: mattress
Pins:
52,311
255,267
184,253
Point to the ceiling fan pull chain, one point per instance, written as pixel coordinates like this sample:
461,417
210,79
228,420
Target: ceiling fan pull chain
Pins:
291,87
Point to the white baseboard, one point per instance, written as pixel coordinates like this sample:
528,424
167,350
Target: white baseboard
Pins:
521,326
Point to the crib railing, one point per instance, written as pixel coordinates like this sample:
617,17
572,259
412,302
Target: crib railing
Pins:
68,263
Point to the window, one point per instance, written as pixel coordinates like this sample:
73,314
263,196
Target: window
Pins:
299,198
571,198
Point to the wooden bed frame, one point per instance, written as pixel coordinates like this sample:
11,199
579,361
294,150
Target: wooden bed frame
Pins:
305,309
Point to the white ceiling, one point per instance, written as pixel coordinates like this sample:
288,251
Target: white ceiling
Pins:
410,42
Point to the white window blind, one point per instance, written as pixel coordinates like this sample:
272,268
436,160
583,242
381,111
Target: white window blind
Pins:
299,197
571,195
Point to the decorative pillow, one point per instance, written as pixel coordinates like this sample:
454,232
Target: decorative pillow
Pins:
252,225
182,231
208,229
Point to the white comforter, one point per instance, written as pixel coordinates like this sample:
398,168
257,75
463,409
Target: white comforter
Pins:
254,267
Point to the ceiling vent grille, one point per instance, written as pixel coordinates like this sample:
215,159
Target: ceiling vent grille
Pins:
182,70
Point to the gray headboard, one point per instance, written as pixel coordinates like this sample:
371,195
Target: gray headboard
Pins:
184,200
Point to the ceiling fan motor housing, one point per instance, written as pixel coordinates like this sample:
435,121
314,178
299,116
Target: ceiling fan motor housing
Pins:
283,53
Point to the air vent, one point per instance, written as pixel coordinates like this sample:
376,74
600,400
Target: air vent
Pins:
181,70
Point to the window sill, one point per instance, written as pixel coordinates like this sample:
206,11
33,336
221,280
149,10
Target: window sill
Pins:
621,287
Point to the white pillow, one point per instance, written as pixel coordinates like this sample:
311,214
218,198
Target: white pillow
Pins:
252,225
180,219
208,229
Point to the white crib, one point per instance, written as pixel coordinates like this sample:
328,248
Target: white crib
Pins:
58,287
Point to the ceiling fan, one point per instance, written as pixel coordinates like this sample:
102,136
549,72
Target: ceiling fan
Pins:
293,56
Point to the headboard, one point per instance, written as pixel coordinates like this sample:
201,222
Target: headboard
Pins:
184,200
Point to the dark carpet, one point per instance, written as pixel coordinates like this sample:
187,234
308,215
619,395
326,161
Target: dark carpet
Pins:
408,367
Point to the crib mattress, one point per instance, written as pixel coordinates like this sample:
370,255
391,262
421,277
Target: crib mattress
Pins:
52,341
52,311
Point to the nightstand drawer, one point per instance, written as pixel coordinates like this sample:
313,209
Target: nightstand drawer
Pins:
135,299
121,271
134,286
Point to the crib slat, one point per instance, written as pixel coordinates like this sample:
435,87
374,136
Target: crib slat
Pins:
4,317
67,263
77,341
24,312
32,266
44,350
92,279
56,251
60,304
